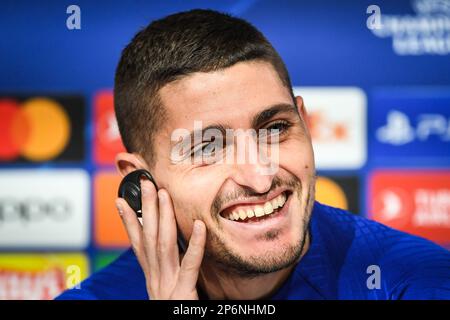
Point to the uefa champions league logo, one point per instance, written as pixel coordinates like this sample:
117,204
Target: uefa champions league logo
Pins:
425,33
431,6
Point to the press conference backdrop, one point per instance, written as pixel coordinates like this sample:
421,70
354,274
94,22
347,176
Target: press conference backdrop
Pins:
377,93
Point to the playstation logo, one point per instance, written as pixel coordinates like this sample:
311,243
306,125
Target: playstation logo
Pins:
399,131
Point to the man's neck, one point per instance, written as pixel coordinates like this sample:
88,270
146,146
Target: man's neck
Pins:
219,285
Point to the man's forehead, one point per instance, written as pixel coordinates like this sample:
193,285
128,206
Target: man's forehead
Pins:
231,96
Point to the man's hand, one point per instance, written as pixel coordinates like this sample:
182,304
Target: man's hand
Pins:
155,245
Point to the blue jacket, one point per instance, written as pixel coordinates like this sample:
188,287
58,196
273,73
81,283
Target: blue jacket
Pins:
350,257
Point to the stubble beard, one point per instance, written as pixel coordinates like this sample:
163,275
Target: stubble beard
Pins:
232,262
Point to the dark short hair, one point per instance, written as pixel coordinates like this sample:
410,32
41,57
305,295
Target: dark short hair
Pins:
174,47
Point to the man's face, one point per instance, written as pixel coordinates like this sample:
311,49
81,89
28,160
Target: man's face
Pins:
247,95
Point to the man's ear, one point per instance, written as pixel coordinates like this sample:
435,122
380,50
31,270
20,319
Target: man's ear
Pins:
302,110
128,162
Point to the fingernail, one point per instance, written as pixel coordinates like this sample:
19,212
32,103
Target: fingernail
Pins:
197,226
119,208
145,189
161,196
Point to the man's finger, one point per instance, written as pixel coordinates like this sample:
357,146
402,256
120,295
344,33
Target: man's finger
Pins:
134,230
192,260
167,246
150,224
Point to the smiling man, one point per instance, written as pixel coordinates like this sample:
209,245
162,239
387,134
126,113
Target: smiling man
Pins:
250,232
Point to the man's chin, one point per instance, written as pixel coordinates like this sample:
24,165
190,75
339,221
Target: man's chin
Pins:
256,253
257,262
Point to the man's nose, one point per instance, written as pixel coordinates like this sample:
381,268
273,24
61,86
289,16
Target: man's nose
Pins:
253,172
252,176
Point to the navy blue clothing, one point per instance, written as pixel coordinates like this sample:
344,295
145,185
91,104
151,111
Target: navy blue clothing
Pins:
342,248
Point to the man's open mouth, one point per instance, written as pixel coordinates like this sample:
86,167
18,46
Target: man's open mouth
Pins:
255,212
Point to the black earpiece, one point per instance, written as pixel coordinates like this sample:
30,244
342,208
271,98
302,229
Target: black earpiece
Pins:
130,189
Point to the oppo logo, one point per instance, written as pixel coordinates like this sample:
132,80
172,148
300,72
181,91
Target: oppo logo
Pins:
34,210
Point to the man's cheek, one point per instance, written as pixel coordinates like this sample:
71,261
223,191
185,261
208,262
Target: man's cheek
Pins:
297,162
189,206
201,187
184,218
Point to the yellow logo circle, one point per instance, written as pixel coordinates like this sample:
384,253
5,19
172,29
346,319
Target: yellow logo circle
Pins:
330,193
49,129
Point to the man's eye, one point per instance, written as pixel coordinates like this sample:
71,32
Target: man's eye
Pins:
277,128
207,149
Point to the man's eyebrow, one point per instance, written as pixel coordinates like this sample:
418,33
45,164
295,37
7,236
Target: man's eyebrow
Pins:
271,111
222,128
257,121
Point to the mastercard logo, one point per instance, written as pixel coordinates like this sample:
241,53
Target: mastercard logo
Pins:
37,129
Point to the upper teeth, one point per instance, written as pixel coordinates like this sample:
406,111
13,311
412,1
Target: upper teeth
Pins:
258,210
